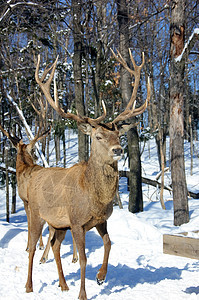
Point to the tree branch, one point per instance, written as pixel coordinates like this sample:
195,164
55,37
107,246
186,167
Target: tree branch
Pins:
11,6
27,128
189,45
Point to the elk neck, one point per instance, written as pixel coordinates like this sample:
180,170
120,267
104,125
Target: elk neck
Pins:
25,162
102,179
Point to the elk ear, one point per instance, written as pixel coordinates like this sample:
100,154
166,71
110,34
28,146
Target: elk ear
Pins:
19,144
126,127
85,128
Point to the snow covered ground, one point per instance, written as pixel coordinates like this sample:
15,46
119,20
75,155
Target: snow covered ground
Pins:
138,269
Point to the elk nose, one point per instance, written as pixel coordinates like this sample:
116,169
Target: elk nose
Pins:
117,151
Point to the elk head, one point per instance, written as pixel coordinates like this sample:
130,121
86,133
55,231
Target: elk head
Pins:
22,148
99,132
14,139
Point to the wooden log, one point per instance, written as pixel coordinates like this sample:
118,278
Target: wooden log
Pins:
155,183
181,245
11,171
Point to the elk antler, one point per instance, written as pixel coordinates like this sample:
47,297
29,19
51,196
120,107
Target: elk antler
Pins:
130,110
45,87
43,108
14,139
39,136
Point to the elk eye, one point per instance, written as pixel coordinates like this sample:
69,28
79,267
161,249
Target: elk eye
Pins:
98,137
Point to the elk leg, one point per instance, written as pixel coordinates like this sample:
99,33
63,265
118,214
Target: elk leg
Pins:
35,227
41,244
46,251
79,237
102,230
75,256
56,244
28,220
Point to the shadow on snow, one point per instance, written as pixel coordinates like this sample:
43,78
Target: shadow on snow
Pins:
121,277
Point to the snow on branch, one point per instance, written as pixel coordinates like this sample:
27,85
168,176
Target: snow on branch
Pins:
21,115
189,44
12,6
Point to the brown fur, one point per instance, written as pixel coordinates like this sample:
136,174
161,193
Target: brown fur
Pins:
26,169
24,172
79,198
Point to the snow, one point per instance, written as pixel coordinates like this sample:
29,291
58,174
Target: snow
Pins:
179,58
137,270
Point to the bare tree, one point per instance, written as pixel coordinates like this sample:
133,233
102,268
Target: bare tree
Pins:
180,195
78,79
135,181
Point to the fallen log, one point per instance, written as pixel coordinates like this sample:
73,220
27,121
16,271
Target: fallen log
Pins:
155,183
10,170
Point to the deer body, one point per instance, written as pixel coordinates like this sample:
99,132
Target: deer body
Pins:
26,172
80,197
25,169
81,193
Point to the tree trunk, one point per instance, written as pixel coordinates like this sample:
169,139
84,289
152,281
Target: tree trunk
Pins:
64,148
14,193
180,199
135,176
7,187
135,182
78,80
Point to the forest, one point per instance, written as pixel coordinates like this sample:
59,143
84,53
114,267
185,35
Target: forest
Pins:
82,34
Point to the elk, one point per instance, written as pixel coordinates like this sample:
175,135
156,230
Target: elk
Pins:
24,173
25,169
80,197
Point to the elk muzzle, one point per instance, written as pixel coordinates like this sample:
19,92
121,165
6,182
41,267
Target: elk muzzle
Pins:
116,152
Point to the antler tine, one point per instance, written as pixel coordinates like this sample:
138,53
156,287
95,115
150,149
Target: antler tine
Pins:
130,110
45,87
4,132
129,113
136,73
14,139
133,61
120,59
99,119
39,136
46,70
103,116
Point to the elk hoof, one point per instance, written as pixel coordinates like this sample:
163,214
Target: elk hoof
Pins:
29,289
43,260
74,260
27,249
100,281
64,287
82,295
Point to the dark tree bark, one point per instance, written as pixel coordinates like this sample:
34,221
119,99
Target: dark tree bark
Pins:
14,193
78,80
180,195
135,181
7,188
